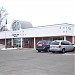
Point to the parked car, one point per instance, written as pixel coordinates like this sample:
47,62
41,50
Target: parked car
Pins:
43,45
61,45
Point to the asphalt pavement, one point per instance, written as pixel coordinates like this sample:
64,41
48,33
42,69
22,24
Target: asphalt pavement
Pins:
30,62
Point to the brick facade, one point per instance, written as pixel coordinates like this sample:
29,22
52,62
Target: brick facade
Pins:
38,39
29,42
45,38
2,41
69,38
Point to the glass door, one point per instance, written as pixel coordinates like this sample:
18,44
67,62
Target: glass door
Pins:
17,42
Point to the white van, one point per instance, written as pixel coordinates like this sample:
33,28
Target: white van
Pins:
61,45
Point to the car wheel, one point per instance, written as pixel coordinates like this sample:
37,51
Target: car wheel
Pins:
63,50
53,51
39,51
48,50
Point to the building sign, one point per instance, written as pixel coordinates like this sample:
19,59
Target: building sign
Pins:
15,35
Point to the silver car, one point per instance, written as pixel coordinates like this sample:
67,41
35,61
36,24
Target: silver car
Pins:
61,45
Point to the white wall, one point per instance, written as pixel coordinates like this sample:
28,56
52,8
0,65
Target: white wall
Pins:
48,31
2,34
74,31
54,30
10,34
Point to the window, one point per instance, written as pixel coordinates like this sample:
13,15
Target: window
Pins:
63,27
65,43
17,23
42,42
60,27
66,27
55,43
70,43
54,38
49,42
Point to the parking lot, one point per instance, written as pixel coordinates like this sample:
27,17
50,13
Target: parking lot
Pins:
30,62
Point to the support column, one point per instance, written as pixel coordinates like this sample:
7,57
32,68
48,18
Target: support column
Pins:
21,42
73,39
42,38
12,41
5,39
64,37
34,43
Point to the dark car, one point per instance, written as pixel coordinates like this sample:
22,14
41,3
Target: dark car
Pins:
43,45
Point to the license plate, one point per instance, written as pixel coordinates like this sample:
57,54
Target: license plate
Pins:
53,47
40,45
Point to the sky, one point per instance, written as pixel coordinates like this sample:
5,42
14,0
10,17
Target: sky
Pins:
40,12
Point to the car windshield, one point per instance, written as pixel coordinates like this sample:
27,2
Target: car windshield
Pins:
42,42
49,42
54,43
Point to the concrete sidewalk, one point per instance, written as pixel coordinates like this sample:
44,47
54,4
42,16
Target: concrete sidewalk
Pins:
17,49
8,48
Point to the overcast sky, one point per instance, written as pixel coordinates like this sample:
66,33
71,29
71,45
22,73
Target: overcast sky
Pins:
40,12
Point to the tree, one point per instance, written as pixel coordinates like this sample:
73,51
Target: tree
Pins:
3,19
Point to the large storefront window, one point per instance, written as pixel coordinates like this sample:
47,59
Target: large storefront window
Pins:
28,42
58,38
17,42
8,43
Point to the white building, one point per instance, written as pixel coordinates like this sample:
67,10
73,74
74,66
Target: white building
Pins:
17,25
27,38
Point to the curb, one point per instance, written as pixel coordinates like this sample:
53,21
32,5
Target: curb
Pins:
8,48
17,49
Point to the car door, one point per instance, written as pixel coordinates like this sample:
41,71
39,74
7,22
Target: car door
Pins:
71,46
66,45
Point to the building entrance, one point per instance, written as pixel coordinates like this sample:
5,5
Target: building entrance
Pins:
28,43
17,42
